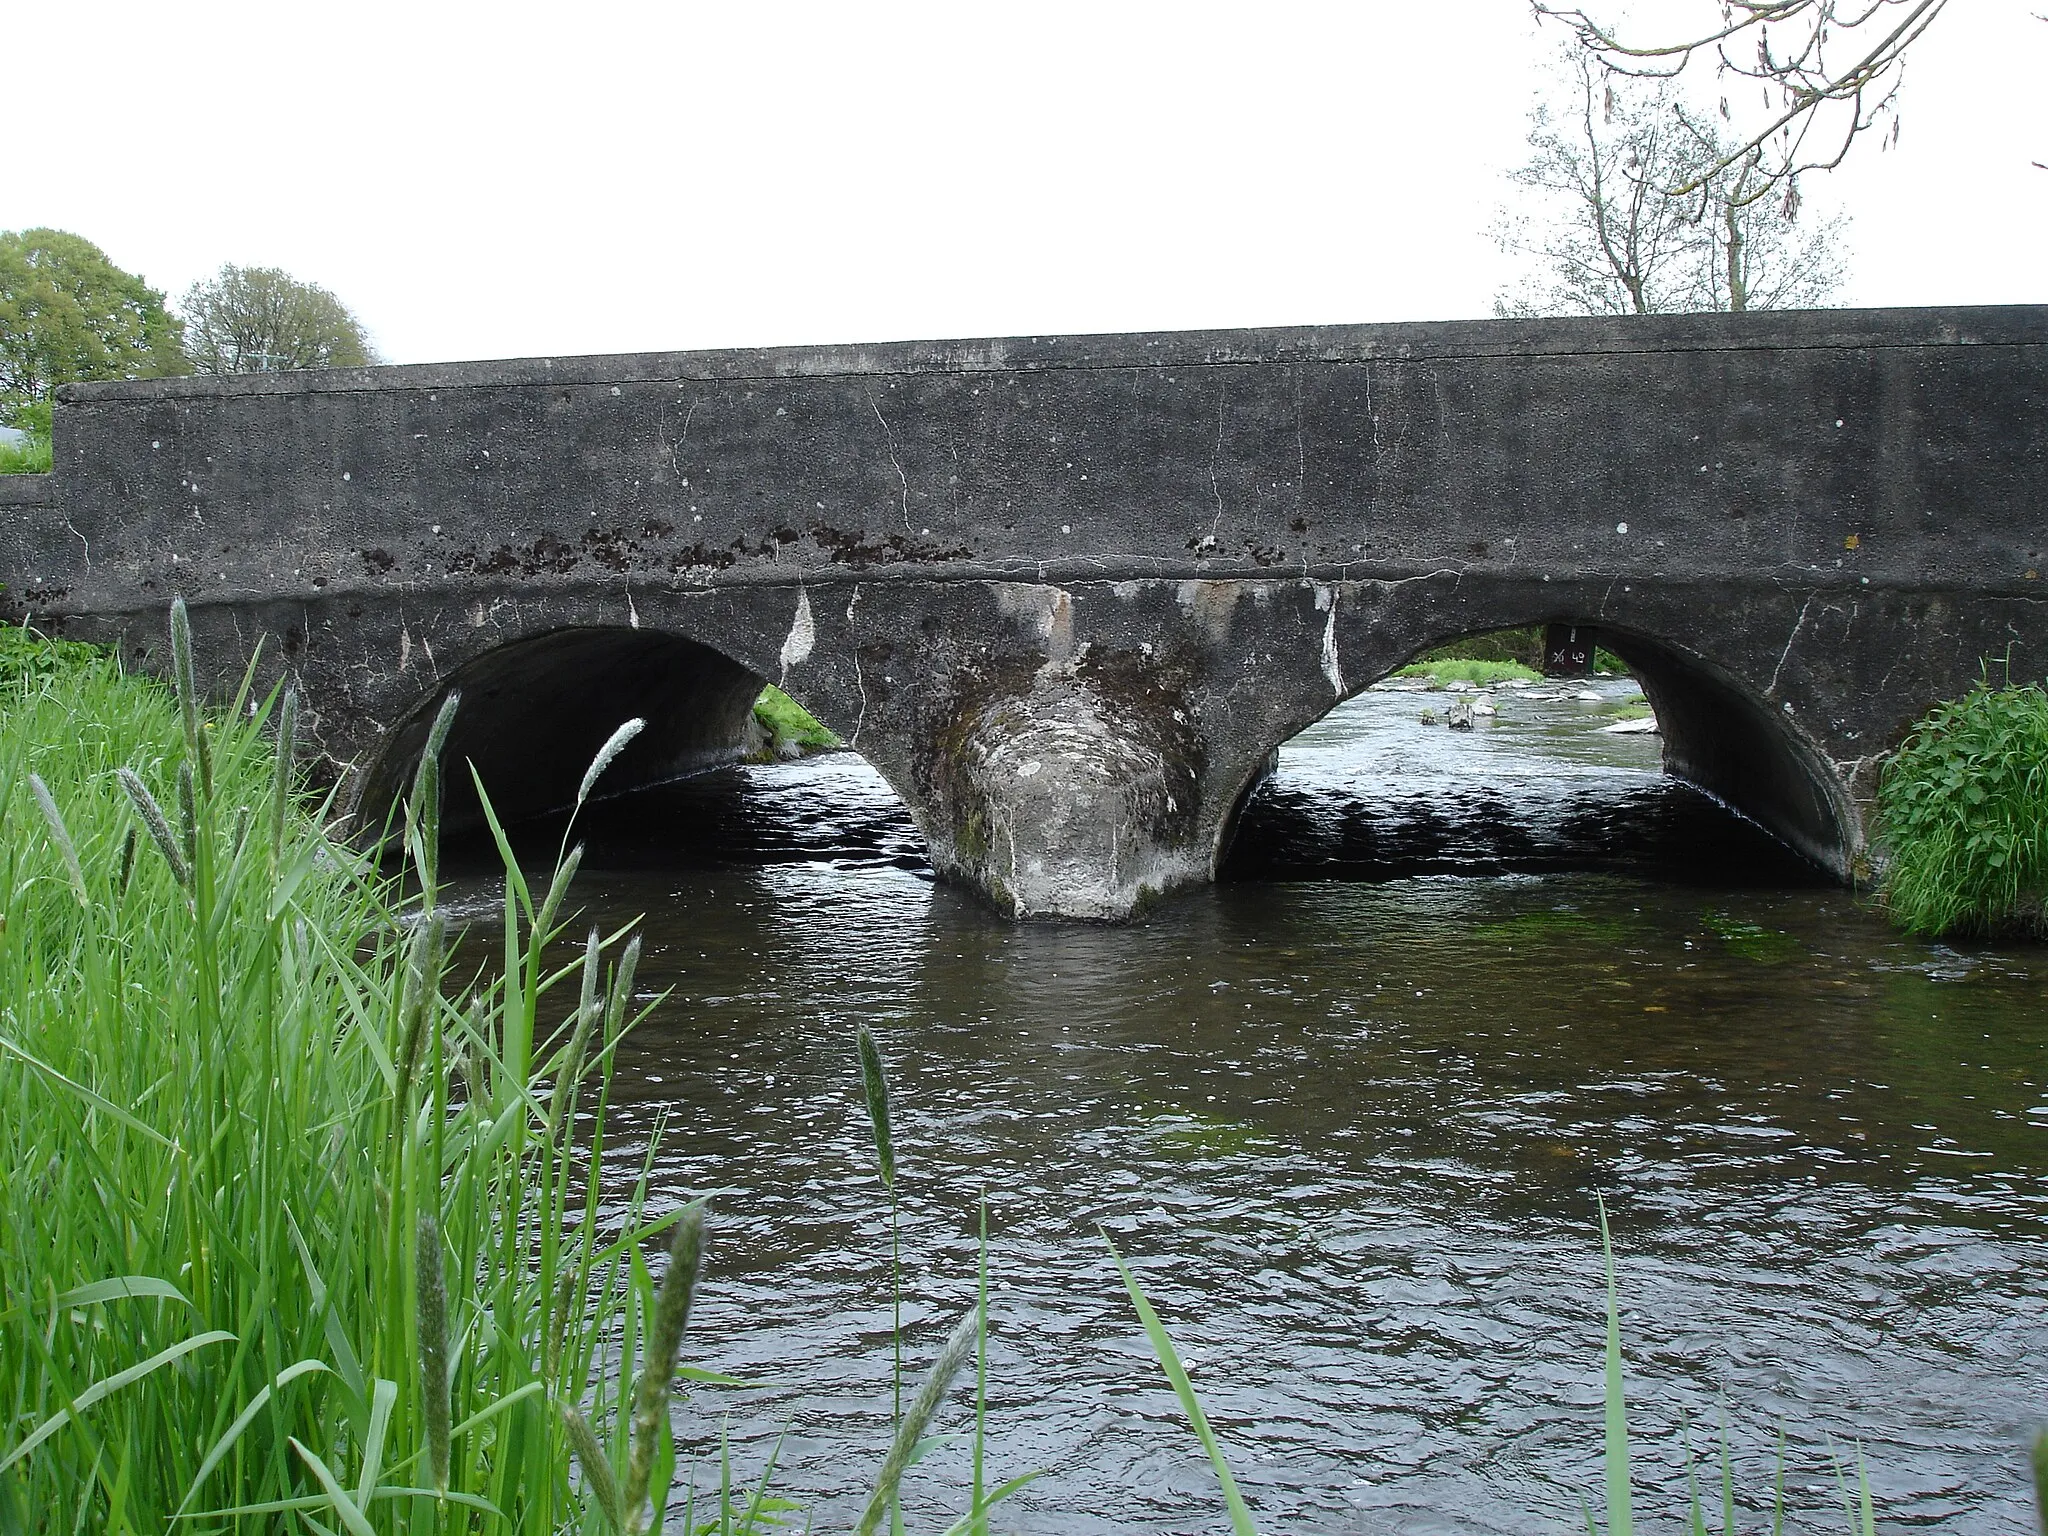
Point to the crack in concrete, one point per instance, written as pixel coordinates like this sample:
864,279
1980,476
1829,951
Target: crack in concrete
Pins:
1215,454
902,480
1771,688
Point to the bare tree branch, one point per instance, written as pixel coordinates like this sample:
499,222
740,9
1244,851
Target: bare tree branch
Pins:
1815,105
1604,236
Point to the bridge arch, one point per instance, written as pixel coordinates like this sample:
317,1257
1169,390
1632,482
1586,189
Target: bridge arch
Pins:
535,711
1720,734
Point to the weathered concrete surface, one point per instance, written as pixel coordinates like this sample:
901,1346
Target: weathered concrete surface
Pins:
1067,594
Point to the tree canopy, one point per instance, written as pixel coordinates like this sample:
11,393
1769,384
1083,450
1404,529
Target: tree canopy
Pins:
67,312
1607,236
263,320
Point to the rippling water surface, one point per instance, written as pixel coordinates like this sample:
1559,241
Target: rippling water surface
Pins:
1347,1114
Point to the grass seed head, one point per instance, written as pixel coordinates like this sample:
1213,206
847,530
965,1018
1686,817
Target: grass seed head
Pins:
597,1468
875,1089
606,755
658,1362
156,822
924,1407
433,1328
61,836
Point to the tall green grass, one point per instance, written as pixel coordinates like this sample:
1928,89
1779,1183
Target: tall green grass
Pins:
29,457
300,1234
1963,815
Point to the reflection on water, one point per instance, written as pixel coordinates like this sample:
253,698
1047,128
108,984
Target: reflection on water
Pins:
1349,1134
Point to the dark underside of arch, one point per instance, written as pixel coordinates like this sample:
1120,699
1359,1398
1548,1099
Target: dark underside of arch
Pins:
534,714
1731,744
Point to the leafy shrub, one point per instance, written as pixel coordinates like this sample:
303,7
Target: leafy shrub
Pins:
1963,812
26,655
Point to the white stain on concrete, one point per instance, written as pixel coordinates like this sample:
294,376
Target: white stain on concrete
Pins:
803,634
1326,598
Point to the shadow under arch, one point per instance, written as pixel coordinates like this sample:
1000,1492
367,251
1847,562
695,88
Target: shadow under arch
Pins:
1718,735
535,712
1722,737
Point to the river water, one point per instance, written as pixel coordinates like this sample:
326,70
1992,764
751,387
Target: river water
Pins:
1348,1114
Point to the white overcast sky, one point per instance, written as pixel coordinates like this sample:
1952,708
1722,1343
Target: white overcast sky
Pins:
511,180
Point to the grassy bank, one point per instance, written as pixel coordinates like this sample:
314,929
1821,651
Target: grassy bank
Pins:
31,456
293,1243
1467,670
787,728
1963,815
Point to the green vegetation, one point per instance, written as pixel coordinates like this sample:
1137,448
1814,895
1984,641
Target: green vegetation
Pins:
1619,1476
259,319
31,456
1558,926
1459,670
787,727
66,312
1523,645
290,1232
1753,941
26,656
1963,815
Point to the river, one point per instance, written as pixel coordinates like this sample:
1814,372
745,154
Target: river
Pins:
1347,1113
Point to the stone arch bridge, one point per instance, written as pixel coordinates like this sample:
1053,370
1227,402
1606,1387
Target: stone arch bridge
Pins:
1068,594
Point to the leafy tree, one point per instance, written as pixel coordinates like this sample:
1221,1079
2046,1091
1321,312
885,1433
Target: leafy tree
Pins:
67,312
262,320
1606,234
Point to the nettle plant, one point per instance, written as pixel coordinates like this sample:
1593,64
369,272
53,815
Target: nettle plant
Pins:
1963,811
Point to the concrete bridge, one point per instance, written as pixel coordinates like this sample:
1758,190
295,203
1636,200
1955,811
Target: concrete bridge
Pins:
1068,594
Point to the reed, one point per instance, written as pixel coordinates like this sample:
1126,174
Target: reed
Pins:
271,1261
874,1084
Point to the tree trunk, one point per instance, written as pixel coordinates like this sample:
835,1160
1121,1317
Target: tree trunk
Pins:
1738,286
